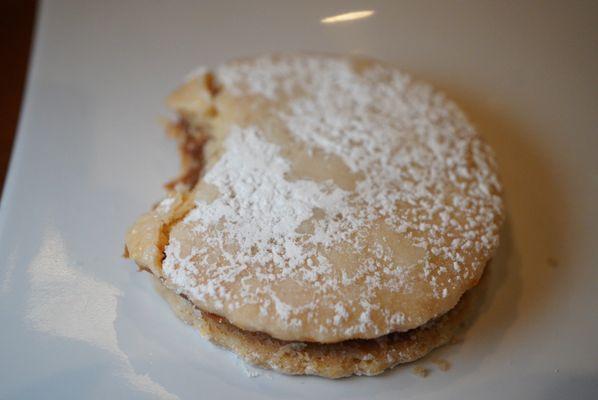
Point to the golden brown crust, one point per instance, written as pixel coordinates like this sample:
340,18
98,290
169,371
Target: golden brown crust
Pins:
336,360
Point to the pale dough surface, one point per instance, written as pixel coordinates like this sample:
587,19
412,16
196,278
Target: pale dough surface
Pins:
339,199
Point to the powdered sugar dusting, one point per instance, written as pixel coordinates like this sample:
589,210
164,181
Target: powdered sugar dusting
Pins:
259,207
425,176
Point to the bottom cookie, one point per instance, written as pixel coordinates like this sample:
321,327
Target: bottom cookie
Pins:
330,360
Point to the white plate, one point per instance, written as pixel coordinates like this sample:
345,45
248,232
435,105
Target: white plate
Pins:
76,319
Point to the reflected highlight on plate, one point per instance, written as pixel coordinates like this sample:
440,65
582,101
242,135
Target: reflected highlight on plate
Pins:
350,16
69,303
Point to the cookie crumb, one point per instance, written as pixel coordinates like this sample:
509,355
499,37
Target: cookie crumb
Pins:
442,364
249,370
420,371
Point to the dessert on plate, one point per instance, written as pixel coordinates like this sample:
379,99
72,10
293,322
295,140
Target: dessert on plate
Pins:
331,216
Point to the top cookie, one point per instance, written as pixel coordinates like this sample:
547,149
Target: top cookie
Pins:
340,199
